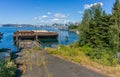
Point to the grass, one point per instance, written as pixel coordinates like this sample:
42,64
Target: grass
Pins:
7,68
32,58
76,54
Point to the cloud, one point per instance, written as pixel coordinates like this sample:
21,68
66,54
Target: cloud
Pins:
43,17
87,6
49,13
51,18
59,16
40,17
55,20
80,12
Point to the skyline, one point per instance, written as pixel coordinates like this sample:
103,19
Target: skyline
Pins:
46,11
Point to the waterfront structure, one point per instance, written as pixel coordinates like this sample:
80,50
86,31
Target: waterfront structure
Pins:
30,38
34,34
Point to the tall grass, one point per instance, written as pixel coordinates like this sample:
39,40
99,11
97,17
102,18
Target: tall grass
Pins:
83,55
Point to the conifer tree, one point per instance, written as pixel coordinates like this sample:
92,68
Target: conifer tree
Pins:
116,18
84,28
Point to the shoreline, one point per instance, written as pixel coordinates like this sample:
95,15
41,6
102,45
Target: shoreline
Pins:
74,30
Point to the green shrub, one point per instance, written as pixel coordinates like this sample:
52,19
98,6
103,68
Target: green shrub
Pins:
103,56
74,52
7,68
74,45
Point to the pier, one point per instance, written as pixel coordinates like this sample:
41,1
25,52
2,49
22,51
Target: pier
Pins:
30,38
34,34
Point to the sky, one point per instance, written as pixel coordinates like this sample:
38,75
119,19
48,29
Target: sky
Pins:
47,11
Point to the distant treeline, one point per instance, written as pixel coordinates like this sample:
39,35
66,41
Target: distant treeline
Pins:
17,25
73,27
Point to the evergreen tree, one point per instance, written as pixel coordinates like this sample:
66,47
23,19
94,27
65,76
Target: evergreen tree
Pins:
101,33
116,12
89,26
116,18
84,28
97,27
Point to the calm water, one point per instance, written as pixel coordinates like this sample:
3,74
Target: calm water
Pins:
7,40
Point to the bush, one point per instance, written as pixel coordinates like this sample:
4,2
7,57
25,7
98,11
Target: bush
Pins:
7,68
74,45
75,53
103,56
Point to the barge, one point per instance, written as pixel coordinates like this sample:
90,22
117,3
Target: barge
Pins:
34,35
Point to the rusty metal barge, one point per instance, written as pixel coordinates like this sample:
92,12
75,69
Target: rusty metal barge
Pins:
34,35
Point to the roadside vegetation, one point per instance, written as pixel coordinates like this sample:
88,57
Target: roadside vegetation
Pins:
100,34
79,55
7,68
99,41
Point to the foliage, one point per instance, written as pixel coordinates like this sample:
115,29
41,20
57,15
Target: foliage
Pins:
116,12
83,55
94,28
102,57
100,34
37,48
73,27
116,17
67,52
7,68
99,40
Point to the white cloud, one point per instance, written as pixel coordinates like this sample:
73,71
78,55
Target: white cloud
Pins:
59,16
50,18
80,12
43,17
40,17
55,20
87,6
49,13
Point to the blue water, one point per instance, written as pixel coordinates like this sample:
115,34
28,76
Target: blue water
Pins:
7,40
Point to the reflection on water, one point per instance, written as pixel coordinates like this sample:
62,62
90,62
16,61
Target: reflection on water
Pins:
64,38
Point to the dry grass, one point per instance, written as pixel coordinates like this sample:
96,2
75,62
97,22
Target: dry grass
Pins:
32,60
77,56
